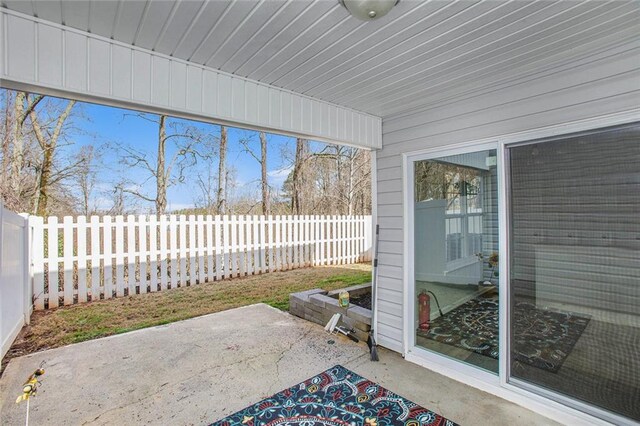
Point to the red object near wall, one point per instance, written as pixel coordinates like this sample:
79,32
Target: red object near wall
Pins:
424,311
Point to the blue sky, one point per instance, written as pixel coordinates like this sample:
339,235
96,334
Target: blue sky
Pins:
105,126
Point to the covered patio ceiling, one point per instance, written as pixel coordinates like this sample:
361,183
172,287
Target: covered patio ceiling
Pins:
421,54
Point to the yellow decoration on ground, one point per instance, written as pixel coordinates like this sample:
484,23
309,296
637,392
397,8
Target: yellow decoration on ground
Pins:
30,387
246,419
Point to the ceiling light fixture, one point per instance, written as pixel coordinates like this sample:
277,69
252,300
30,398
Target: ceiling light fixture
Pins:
368,10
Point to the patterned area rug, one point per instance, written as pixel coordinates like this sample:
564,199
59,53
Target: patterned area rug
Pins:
542,338
336,397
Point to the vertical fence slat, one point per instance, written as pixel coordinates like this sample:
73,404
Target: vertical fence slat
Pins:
192,250
348,234
37,250
52,252
153,253
119,255
268,236
173,241
276,249
250,224
107,234
299,220
142,254
210,247
226,255
234,246
96,281
242,258
258,244
165,272
219,247
308,240
131,256
315,246
182,234
67,253
321,250
201,278
82,259
290,242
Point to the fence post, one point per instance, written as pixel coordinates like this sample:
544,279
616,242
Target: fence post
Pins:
182,236
202,278
37,258
119,255
153,253
82,258
108,259
368,234
165,264
211,254
142,256
96,281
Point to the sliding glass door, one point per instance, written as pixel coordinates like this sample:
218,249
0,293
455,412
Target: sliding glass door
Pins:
574,268
456,257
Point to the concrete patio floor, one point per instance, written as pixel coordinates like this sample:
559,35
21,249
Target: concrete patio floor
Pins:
199,370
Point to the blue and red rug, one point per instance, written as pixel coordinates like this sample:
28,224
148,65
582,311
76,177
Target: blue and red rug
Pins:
336,397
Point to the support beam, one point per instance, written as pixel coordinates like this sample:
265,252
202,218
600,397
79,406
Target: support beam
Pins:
44,57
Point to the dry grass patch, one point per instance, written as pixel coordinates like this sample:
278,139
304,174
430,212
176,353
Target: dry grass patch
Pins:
72,324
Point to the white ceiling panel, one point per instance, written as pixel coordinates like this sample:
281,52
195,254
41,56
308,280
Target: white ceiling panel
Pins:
76,14
20,6
156,16
177,25
199,28
265,33
48,10
296,24
102,15
243,32
421,52
229,22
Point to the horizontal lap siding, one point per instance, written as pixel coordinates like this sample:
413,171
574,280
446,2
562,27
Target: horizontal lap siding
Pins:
53,59
604,83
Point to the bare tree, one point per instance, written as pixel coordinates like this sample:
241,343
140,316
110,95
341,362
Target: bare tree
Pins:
48,140
298,177
86,178
331,179
165,173
20,115
7,126
262,161
266,207
221,197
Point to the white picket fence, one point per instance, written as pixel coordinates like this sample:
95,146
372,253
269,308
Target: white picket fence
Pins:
75,261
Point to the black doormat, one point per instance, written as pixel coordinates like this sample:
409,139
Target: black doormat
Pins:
336,397
542,337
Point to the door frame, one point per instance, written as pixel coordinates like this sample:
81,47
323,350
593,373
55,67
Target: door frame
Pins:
550,404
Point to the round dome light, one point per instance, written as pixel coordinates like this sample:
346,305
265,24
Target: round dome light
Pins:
368,10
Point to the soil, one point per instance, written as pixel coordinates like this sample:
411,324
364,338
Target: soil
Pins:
363,300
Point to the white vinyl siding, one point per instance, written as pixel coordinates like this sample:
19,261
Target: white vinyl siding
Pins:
44,57
606,82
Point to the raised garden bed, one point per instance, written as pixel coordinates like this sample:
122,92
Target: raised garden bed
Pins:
319,305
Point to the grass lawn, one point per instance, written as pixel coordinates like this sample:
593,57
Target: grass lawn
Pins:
77,323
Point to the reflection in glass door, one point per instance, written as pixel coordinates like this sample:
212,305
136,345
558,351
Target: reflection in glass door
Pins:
574,268
456,257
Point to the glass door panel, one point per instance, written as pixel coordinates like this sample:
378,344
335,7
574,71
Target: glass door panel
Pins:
575,267
456,257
